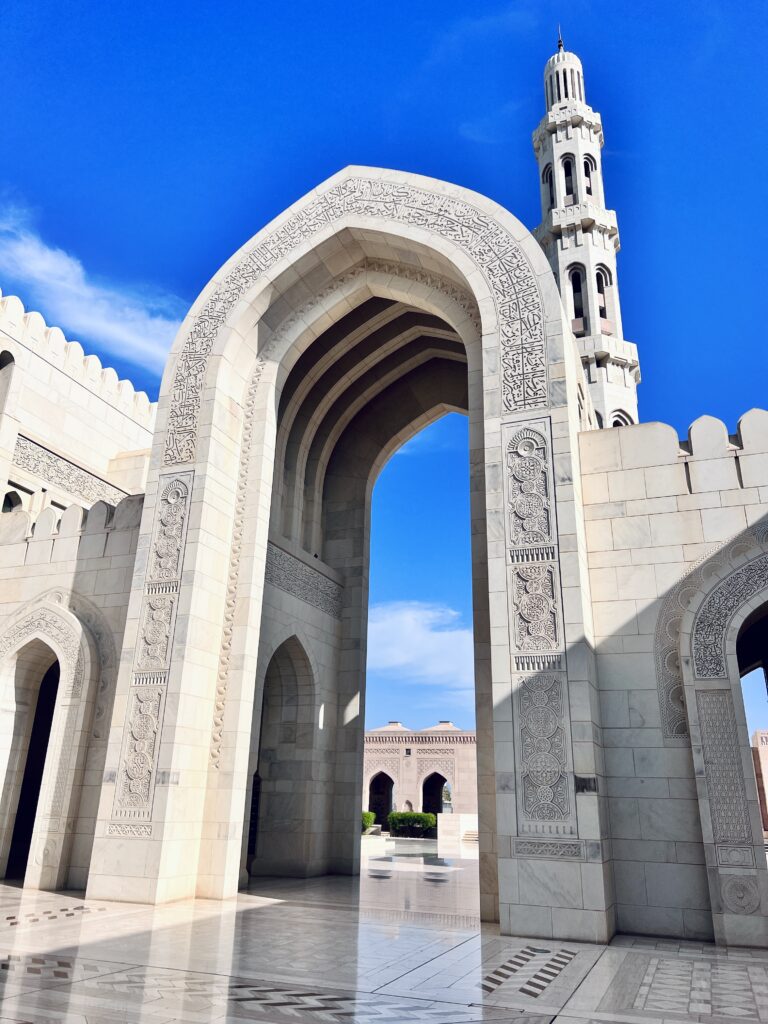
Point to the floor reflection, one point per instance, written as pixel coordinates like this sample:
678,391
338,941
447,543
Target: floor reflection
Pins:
402,943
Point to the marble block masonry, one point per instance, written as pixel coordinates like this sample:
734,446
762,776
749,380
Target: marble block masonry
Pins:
185,586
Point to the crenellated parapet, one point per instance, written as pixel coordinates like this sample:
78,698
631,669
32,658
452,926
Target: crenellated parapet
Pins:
30,330
708,459
62,532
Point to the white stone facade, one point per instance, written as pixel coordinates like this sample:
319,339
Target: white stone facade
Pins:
209,623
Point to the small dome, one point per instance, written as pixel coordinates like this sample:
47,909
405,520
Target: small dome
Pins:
563,78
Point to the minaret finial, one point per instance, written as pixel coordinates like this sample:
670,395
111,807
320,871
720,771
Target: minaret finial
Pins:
560,44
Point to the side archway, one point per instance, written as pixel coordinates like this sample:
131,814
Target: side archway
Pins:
286,785
724,593
41,637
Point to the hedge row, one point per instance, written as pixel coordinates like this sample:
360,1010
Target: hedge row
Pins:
369,819
410,823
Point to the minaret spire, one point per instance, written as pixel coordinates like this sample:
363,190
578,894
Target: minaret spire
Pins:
580,237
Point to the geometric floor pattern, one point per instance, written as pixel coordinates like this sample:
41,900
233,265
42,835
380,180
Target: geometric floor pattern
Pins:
726,990
400,945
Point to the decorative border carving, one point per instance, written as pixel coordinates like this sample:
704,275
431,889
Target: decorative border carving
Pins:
129,831
48,623
546,802
490,246
722,764
56,470
712,618
290,574
572,849
425,767
669,676
389,765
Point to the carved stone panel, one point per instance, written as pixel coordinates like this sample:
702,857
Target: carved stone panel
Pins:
535,608
299,579
529,500
61,473
545,796
138,762
722,765
154,644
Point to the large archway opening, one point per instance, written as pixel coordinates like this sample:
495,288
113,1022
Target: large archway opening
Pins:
367,384
25,740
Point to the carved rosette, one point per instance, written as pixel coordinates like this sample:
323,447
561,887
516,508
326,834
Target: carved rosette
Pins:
147,696
741,894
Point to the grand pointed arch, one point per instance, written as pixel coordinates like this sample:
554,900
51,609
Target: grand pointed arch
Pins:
373,305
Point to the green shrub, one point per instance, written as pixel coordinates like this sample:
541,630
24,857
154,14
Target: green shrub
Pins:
410,823
369,819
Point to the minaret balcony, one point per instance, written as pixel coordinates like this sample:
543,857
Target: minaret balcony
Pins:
586,215
564,114
600,347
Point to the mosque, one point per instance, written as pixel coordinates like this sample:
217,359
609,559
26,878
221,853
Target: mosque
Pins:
184,586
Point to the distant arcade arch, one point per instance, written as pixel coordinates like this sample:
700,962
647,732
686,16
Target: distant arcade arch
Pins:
432,793
380,797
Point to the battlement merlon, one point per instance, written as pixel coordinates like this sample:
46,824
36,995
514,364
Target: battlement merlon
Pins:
70,429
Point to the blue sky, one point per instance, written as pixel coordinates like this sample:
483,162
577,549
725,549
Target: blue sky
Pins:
144,143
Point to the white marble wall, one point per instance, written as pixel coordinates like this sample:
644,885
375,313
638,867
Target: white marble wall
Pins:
656,507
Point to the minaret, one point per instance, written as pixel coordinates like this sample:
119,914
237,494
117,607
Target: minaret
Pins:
580,238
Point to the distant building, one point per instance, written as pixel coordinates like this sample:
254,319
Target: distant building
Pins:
405,770
760,758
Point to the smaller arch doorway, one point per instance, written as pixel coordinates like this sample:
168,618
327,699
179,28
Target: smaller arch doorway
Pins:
380,792
752,657
432,793
25,740
287,794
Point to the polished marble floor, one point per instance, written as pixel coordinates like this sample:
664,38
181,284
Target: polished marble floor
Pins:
400,945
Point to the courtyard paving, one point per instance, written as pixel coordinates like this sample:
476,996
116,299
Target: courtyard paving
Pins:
401,944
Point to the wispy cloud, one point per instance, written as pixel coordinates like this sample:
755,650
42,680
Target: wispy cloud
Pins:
444,435
424,644
136,323
468,32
